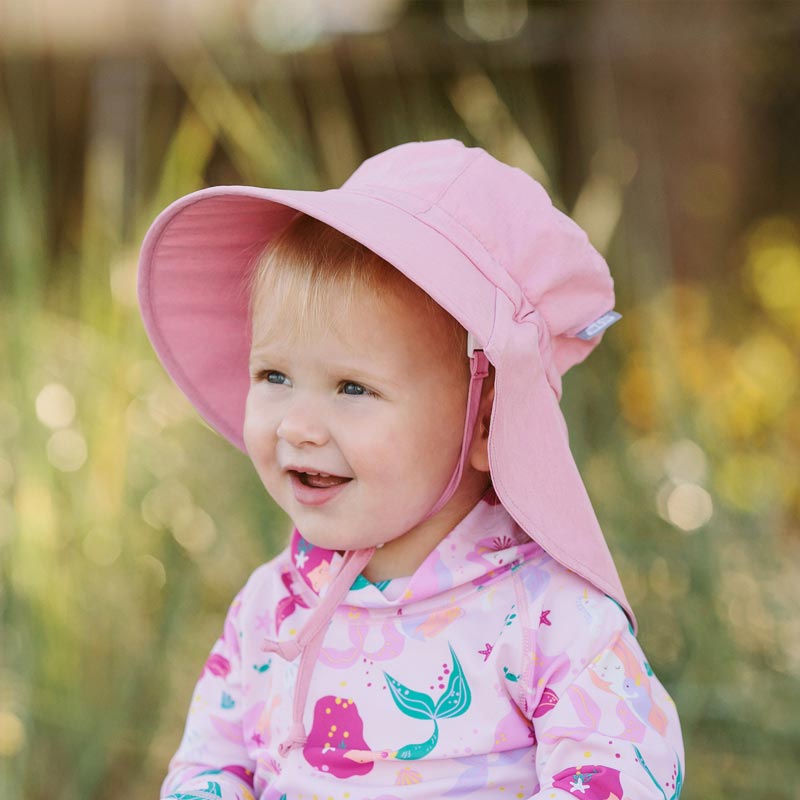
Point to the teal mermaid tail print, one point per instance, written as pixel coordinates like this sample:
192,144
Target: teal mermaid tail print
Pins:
212,790
454,701
677,776
336,744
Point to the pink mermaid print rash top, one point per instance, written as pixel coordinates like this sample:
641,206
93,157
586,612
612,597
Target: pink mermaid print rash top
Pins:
492,672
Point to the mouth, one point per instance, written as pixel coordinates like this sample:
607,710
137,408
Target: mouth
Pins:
314,488
318,480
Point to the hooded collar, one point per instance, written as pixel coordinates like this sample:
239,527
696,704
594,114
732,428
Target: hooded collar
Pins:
485,543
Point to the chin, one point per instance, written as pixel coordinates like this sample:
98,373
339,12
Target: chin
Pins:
332,542
327,536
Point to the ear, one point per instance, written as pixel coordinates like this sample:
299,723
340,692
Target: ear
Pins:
479,447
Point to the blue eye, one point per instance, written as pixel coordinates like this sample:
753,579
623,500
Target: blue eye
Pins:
270,376
359,389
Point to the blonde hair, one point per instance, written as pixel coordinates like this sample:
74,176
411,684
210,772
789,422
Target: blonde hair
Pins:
314,272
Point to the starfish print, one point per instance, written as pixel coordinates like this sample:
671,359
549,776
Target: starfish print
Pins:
300,559
256,739
578,785
543,619
486,652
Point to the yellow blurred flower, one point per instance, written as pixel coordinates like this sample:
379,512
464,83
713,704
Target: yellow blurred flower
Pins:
638,392
773,269
754,481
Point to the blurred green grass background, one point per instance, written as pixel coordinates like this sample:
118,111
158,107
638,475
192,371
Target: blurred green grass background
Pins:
668,129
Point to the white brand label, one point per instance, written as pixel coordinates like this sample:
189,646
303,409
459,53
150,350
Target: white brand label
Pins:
599,325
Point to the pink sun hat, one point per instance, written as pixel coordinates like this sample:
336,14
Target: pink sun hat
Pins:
482,238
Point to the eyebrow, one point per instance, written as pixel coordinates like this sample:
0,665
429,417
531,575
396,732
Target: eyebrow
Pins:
358,373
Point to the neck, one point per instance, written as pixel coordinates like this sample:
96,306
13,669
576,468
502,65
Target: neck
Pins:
404,555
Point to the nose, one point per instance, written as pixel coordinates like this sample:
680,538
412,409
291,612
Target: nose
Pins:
300,425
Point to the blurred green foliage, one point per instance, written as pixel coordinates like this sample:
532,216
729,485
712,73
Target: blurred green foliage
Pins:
126,527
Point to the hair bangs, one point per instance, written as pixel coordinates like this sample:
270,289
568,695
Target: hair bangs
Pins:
311,274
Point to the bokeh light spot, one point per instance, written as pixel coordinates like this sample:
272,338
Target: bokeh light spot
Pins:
66,450
139,421
167,505
154,570
495,21
685,505
685,461
773,267
196,532
102,546
12,734
123,281
167,406
55,406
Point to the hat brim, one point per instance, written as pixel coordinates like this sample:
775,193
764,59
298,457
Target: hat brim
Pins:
198,254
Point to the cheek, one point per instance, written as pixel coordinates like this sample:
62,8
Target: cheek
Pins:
424,448
258,430
374,445
441,427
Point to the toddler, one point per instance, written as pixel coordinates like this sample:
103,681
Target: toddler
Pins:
446,619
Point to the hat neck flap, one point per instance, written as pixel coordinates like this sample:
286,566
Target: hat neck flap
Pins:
533,471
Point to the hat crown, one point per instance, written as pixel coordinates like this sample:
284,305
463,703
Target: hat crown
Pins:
423,170
532,251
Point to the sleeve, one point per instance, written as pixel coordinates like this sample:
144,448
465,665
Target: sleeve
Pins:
212,760
604,726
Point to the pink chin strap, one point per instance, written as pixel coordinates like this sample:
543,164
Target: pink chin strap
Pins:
308,642
479,369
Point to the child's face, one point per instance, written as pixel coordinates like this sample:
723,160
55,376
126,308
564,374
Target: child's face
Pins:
372,401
